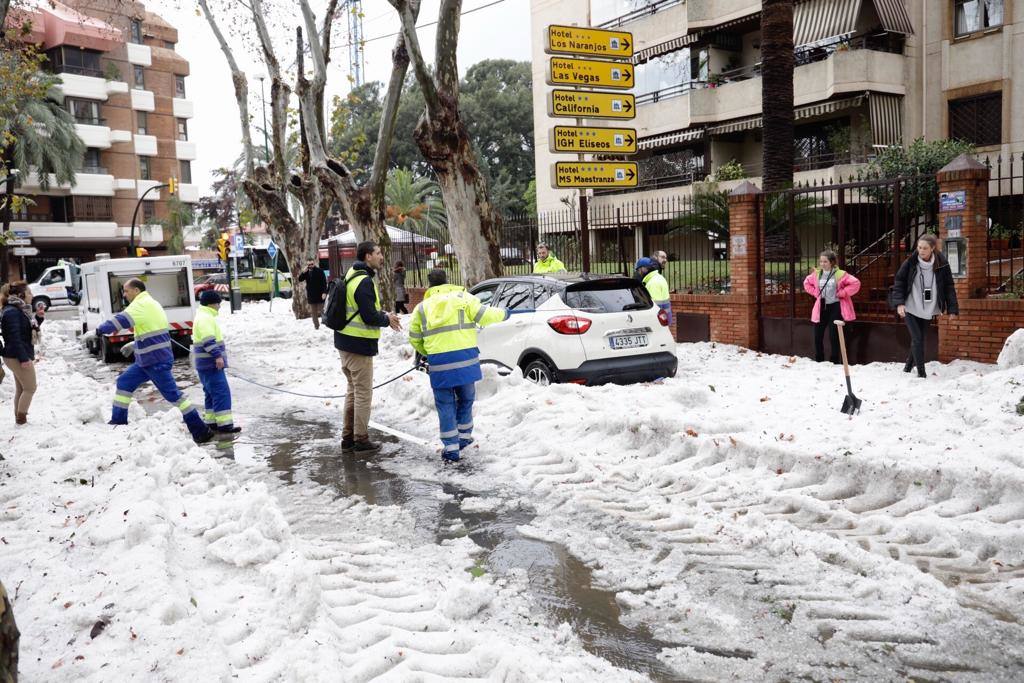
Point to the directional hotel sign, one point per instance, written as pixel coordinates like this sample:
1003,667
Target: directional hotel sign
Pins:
590,73
569,174
588,140
574,40
591,105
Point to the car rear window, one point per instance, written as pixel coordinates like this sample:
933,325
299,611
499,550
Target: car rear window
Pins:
608,296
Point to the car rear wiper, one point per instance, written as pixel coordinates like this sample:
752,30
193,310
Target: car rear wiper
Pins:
635,307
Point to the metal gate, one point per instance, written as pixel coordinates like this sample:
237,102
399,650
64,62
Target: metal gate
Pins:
872,225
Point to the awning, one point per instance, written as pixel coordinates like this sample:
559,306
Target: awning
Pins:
886,112
894,16
807,111
815,20
664,48
673,138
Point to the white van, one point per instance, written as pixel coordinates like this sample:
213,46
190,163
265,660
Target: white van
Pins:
57,285
168,280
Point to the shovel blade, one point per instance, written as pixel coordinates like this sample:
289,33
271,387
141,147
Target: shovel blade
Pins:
851,405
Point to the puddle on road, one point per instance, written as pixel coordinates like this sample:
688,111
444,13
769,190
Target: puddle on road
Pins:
560,583
147,396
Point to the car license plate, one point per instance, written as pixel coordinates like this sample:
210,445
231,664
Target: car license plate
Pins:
629,341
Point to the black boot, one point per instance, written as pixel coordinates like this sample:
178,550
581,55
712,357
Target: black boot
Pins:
909,365
921,372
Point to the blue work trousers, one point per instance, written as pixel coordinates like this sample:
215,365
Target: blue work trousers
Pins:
217,403
160,375
455,413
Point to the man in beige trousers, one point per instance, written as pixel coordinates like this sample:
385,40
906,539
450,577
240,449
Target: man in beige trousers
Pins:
357,344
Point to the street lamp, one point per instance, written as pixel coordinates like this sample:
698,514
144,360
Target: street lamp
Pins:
263,100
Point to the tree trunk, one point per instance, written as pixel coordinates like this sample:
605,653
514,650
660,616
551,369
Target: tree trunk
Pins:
777,92
8,209
473,222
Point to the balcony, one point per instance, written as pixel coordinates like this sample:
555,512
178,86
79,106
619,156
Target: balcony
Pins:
185,150
93,133
93,182
188,193
709,13
139,54
93,170
183,109
90,87
142,100
145,145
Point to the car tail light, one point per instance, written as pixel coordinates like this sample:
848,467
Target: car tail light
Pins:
569,324
663,317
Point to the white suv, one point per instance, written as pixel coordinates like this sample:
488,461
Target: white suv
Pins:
584,329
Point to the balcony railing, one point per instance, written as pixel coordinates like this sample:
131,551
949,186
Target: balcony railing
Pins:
25,217
669,92
653,8
93,170
77,70
91,120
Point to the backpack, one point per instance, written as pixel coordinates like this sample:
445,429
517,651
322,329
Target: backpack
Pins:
334,315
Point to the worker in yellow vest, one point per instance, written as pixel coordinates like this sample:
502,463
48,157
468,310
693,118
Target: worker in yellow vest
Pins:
443,329
649,272
546,261
210,358
357,344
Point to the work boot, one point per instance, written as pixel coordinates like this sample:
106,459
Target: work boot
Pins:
909,365
20,418
366,447
451,456
204,438
466,443
921,372
229,430
347,444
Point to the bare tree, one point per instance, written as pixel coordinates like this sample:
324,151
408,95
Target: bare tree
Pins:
442,137
321,180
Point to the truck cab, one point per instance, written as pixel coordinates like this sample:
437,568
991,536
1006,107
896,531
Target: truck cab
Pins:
168,280
57,285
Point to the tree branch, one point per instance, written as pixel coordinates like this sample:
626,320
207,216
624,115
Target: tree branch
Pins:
315,46
279,92
408,12
446,47
388,123
238,78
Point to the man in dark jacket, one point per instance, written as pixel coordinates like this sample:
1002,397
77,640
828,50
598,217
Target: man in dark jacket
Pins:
357,344
316,289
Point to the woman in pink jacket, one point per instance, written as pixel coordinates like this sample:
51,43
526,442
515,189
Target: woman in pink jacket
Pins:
833,290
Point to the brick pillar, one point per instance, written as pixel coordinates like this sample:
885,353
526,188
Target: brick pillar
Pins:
958,338
744,262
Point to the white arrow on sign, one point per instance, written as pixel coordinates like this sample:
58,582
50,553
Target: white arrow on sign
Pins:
26,251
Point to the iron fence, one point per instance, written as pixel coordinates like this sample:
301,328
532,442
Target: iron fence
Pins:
1004,251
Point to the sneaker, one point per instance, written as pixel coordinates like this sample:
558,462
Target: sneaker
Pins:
347,445
365,447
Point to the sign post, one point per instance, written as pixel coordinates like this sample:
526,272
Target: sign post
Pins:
272,251
236,292
613,70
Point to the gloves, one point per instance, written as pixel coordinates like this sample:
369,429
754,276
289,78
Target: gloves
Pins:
128,350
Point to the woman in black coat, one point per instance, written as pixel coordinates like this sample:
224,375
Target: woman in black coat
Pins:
17,322
923,290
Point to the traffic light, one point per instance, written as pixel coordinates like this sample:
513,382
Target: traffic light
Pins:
172,186
222,246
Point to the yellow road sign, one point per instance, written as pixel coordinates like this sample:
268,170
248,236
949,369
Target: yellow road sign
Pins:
568,174
591,73
574,40
587,140
591,105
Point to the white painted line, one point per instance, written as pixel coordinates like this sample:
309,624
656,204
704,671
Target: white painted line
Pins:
402,435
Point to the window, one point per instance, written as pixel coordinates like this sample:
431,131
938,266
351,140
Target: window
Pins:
179,86
182,129
185,172
139,78
91,161
977,15
85,208
84,111
486,294
978,120
168,45
148,211
516,296
144,170
74,60
668,74
136,31
142,121
54,277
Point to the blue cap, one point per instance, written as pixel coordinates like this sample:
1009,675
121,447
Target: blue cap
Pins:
208,297
645,262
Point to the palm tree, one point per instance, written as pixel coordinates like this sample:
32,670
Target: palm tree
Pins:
709,214
777,92
415,204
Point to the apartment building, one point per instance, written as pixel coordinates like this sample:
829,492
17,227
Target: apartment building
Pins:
869,73
126,87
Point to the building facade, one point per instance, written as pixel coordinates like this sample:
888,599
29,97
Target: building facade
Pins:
126,87
869,74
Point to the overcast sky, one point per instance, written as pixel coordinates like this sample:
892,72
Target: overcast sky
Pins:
498,31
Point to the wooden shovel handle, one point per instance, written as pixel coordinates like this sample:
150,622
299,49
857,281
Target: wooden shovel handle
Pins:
842,346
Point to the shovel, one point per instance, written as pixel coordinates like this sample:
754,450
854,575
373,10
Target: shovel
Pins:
851,404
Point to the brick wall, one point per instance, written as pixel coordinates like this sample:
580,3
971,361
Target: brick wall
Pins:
728,314
981,328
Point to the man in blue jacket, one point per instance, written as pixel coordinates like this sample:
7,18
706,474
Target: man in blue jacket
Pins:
153,358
